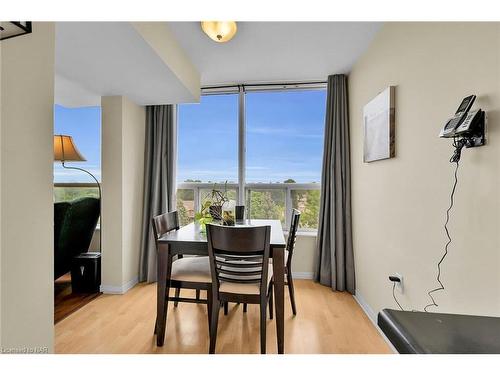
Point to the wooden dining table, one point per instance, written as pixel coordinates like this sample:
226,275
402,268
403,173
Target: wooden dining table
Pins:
190,240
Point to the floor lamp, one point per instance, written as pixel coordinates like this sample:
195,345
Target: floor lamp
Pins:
65,150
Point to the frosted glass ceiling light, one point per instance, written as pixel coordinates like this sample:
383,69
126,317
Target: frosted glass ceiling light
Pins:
219,31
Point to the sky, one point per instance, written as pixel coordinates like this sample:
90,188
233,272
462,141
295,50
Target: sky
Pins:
284,138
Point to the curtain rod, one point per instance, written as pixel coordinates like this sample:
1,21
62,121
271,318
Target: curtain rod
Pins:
264,84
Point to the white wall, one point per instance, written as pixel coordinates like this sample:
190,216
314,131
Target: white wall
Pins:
123,135
26,203
399,204
134,132
303,256
111,172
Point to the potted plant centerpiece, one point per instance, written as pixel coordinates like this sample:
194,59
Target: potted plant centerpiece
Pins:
217,198
203,217
211,208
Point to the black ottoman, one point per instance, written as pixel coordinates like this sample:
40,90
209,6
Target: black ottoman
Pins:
86,273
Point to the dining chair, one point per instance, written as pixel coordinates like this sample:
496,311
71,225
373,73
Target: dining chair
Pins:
172,220
290,245
239,265
185,272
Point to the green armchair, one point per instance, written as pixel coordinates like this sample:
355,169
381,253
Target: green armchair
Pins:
74,226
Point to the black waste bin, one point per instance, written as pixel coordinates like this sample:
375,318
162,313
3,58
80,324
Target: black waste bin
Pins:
86,273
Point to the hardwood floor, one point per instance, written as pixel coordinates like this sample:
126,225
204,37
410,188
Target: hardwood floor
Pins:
65,301
326,322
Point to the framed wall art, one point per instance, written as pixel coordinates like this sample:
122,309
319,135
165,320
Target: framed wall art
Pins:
379,127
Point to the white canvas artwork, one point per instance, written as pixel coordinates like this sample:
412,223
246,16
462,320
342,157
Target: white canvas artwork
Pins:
378,122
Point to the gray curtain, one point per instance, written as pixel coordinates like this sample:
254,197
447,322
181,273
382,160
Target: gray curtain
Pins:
159,179
334,254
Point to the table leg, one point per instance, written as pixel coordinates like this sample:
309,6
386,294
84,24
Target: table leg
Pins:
163,284
279,296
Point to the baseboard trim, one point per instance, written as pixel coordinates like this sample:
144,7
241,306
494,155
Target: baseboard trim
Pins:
366,307
373,318
113,289
302,275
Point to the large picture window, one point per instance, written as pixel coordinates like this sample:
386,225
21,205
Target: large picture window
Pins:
284,136
275,164
208,140
207,150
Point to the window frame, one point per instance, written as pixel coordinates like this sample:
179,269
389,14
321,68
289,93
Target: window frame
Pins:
242,187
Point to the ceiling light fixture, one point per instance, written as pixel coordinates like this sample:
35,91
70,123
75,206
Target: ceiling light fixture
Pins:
219,31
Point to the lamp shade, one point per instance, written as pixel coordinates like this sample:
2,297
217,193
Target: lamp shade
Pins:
219,31
65,149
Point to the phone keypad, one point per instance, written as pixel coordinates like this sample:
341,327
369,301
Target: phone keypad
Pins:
454,122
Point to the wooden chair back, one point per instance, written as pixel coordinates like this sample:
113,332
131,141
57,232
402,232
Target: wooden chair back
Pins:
292,235
239,255
164,223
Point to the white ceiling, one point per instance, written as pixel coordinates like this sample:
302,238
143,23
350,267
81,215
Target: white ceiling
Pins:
276,51
71,94
95,59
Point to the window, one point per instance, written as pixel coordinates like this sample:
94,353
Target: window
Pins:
84,125
283,145
185,205
65,192
307,202
208,140
284,132
207,151
266,204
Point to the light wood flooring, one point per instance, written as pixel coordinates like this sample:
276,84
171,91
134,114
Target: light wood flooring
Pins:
66,302
326,322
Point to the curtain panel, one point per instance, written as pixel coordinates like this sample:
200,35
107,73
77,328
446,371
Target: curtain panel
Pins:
159,180
334,261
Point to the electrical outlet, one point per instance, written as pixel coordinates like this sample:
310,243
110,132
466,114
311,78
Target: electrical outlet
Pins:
400,285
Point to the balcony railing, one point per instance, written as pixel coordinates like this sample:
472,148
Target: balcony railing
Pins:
262,201
68,191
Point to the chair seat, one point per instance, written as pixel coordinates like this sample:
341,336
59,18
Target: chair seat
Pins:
237,288
191,269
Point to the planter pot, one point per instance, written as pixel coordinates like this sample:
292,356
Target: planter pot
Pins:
216,212
228,218
201,224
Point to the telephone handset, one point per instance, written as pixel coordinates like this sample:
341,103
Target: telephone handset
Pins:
462,113
468,128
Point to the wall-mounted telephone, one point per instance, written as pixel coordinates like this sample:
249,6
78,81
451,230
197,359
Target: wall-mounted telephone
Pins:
466,124
450,127
467,128
469,122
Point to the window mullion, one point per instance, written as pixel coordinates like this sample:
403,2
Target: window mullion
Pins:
241,147
248,209
196,192
288,206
